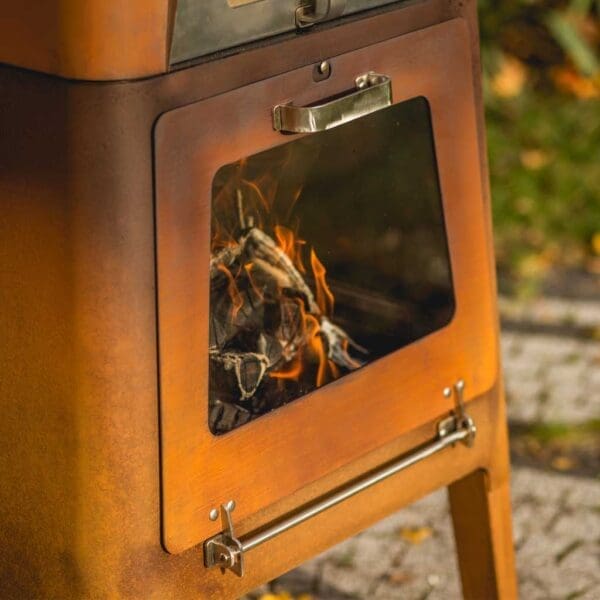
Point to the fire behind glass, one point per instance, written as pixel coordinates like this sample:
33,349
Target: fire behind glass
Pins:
328,252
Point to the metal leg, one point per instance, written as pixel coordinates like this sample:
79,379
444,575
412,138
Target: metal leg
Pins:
484,542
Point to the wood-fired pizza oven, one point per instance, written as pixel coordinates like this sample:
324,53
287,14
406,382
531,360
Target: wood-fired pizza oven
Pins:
317,242
249,280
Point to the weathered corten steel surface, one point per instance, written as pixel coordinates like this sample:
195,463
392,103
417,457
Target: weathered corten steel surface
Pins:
92,40
290,448
80,513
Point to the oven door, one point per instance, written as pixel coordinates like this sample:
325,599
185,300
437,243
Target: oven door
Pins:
323,273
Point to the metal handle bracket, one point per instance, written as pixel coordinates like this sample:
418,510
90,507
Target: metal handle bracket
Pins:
226,551
372,92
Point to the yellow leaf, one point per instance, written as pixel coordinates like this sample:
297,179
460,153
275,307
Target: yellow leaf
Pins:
596,243
568,80
534,265
508,82
534,159
416,535
563,463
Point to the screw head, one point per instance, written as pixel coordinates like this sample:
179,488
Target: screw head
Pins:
230,505
225,560
213,515
324,67
447,392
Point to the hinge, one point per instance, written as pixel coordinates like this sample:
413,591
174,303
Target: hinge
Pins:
225,550
459,416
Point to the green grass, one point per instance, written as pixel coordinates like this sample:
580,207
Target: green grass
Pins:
551,209
544,140
559,432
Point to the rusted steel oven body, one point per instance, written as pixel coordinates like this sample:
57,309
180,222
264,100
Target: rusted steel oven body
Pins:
139,238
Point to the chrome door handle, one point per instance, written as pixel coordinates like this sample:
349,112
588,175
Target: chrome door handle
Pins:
315,11
372,93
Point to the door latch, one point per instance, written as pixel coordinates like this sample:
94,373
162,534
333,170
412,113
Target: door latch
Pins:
225,550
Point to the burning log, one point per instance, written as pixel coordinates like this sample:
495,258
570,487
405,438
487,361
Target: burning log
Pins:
271,338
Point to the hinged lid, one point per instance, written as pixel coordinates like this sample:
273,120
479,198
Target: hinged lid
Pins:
205,26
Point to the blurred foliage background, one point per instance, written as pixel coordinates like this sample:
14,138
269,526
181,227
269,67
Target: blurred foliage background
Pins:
542,91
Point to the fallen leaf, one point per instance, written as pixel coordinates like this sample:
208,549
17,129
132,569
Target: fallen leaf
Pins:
592,265
415,535
571,82
400,577
563,463
283,595
534,159
533,265
596,243
508,82
594,333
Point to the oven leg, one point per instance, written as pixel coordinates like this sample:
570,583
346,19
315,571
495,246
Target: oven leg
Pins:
483,532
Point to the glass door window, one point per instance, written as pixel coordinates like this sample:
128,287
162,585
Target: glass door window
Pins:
328,252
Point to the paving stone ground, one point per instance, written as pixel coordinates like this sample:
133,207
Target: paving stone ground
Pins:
551,355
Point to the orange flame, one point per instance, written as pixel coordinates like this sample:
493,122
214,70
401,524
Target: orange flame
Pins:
292,371
221,238
324,296
307,343
316,345
313,352
258,193
289,244
335,371
248,268
236,298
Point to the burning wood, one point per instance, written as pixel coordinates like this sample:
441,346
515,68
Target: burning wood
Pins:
271,338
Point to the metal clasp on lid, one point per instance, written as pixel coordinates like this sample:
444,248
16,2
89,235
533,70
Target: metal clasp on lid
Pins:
315,11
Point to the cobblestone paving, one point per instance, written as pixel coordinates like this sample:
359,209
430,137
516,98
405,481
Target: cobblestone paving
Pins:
551,355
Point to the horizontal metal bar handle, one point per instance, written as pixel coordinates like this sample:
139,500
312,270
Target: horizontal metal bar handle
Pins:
361,485
225,550
372,93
